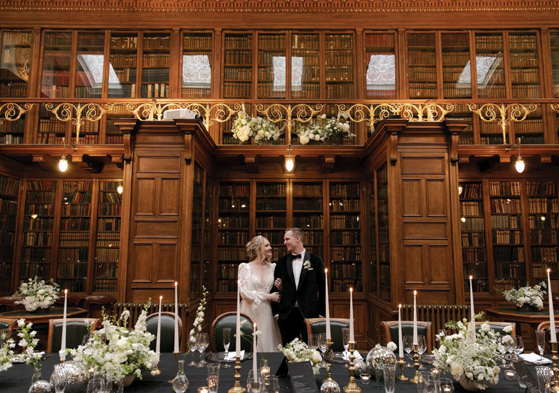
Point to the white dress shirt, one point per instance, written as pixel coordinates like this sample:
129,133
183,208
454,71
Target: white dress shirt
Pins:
297,268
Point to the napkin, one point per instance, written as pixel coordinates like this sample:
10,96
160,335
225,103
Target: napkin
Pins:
231,355
355,353
534,358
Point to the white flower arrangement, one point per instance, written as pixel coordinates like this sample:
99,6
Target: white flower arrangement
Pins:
324,128
115,352
37,294
197,326
6,351
246,127
298,351
392,346
28,342
471,355
532,296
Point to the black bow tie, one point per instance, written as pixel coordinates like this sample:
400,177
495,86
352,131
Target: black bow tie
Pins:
296,256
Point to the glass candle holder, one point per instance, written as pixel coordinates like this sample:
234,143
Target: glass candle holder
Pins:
365,378
510,374
203,389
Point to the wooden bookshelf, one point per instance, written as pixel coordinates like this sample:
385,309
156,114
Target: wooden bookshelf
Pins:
15,64
107,239
156,55
385,285
196,81
345,236
554,49
209,244
272,65
9,192
422,65
271,213
308,214
339,62
74,236
305,66
371,236
237,69
197,227
233,232
381,65
474,246
123,65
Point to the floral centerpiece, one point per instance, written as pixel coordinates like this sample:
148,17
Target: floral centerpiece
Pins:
262,130
37,294
116,352
324,128
6,351
472,358
197,326
298,351
531,296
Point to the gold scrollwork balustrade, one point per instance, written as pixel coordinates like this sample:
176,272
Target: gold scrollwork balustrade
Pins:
12,111
301,113
554,107
423,112
503,114
87,112
370,114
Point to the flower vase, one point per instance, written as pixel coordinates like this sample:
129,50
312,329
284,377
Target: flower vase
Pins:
127,380
180,383
526,307
468,384
39,385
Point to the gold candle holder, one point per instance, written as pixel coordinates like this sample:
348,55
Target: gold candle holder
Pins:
554,358
329,354
402,364
176,359
237,388
352,387
157,371
415,378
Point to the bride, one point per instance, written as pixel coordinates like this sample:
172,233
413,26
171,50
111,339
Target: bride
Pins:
256,278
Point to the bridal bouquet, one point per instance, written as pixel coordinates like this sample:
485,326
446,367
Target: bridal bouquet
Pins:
246,127
37,294
298,351
115,352
472,357
324,128
532,296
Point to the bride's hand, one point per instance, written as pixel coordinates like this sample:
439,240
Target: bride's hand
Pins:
275,297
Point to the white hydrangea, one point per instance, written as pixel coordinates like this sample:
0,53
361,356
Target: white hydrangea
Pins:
323,128
532,296
246,127
37,294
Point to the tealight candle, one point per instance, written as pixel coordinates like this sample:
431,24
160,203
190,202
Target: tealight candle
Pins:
365,378
510,374
203,389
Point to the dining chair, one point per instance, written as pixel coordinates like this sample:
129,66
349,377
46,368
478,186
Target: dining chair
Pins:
318,325
229,320
95,303
390,329
76,329
167,334
499,327
73,300
8,324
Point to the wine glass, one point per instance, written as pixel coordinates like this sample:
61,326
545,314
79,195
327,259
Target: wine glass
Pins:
313,341
345,339
192,345
202,343
519,347
322,342
226,344
421,348
540,341
408,347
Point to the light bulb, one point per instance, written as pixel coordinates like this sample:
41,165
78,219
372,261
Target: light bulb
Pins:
289,164
120,189
460,189
63,164
520,165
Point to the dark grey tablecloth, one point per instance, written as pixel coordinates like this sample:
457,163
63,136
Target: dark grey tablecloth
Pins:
17,379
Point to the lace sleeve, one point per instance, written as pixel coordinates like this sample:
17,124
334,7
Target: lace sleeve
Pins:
247,293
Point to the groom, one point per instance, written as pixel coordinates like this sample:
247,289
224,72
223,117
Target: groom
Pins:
299,277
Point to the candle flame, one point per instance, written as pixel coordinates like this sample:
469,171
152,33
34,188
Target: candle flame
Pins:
549,270
161,297
399,306
176,283
65,291
326,271
414,293
471,277
351,289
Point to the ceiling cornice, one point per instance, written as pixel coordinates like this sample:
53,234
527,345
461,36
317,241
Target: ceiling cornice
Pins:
261,6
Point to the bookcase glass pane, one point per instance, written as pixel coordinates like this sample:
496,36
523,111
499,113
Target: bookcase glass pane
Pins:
554,37
381,65
90,65
197,223
9,190
345,236
208,231
75,224
56,65
472,226
237,71
507,235
308,214
490,67
107,241
543,220
272,65
15,63
422,65
372,239
51,130
233,230
112,132
155,65
338,55
123,65
196,78
38,225
305,66
457,78
383,234
271,213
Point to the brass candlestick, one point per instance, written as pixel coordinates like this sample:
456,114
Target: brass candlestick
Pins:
237,388
555,382
329,354
402,364
157,371
352,387
415,378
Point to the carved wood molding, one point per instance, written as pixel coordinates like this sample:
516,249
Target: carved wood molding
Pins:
269,6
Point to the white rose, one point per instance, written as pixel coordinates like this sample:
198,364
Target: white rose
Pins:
316,358
507,329
485,327
391,346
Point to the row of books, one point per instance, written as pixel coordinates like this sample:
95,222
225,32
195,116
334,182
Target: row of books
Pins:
427,92
505,188
38,224
231,254
307,91
104,285
523,60
118,42
11,139
456,92
275,237
549,254
270,222
237,90
373,92
491,140
16,38
345,238
508,254
507,237
34,269
489,41
155,90
417,58
238,74
471,208
271,204
339,91
155,75
87,92
338,41
541,188
472,224
36,254
76,283
543,222
343,285
9,187
108,224
455,74
233,222
71,255
75,224
309,221
345,190
191,92
341,205
423,74
13,90
526,91
455,59
523,41
238,57
263,190
234,204
379,40
41,197
55,91
238,41
228,270
506,222
473,239
157,42
345,254
421,39
523,75
197,42
233,237
104,253
156,60
236,190
305,41
53,78
544,237
543,205
345,222
471,255
35,239
344,59
129,62
8,207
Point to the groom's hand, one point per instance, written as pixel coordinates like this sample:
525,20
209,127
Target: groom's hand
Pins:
278,284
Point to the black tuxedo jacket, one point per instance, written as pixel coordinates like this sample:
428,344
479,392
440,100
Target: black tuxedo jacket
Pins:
309,295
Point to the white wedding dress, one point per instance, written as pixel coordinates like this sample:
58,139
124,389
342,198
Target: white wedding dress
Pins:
257,307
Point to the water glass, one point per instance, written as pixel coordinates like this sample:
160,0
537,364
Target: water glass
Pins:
313,341
423,379
98,384
253,383
447,386
432,386
202,342
322,342
408,347
226,344
213,376
270,384
421,348
59,378
389,377
540,341
545,374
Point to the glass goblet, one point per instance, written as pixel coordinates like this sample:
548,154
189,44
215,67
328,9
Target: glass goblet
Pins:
202,343
408,348
226,345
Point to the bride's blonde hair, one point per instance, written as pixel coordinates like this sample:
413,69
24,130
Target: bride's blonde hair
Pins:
254,247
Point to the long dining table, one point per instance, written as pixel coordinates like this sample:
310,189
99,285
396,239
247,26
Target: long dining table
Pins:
17,379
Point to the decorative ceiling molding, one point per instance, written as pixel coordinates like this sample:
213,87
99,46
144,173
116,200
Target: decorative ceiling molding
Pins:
263,6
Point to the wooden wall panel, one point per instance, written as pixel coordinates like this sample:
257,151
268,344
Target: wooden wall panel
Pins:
169,196
146,204
438,264
142,254
414,165
412,198
436,197
159,164
165,264
413,264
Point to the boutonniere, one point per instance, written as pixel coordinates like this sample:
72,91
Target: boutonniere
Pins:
307,265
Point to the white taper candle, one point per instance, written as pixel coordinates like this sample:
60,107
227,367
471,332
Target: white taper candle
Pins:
415,341
552,332
472,312
351,332
400,340
63,341
158,338
238,328
254,356
328,332
176,317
